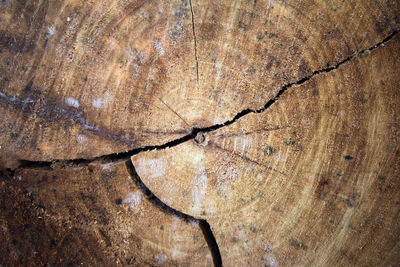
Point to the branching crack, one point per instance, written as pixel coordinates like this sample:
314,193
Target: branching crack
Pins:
195,42
119,157
203,224
125,156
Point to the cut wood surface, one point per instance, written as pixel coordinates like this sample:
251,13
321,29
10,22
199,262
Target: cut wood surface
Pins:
265,130
93,215
316,184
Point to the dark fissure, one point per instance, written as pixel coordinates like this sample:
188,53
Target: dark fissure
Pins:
203,224
125,156
119,157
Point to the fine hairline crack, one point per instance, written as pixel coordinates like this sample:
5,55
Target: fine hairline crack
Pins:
123,156
195,42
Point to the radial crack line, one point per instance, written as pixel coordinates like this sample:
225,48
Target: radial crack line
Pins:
241,134
203,224
245,158
173,111
195,42
117,157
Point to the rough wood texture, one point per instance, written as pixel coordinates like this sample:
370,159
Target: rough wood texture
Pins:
93,216
315,185
82,79
277,122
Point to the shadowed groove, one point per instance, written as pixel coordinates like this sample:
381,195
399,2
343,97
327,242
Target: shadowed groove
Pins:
203,224
125,156
118,157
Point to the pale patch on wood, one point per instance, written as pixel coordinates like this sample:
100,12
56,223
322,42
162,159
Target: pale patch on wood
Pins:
72,102
151,168
50,31
133,199
161,258
199,186
81,138
159,47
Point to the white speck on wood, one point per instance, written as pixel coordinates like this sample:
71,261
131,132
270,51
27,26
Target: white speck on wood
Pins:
81,138
133,199
161,258
159,48
72,102
50,31
98,103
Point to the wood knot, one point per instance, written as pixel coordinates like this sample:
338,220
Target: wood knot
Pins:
201,139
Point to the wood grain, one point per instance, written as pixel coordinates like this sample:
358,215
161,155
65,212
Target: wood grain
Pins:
311,181
276,123
92,216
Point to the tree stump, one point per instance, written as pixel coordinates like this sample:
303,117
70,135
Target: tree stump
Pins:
200,133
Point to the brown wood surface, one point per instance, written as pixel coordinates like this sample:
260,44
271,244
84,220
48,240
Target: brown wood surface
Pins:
93,215
275,122
317,184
